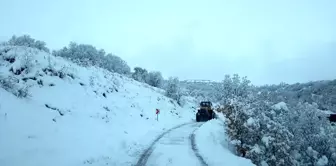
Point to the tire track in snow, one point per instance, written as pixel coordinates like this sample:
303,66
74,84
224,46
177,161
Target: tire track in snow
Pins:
142,161
147,153
195,150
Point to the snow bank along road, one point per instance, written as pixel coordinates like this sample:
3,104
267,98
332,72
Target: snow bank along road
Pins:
174,147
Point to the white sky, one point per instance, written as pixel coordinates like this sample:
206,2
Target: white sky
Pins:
268,41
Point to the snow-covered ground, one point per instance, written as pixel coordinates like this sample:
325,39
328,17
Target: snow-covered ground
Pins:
213,145
78,116
173,148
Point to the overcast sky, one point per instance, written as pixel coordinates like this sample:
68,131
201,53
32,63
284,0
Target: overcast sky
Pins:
268,41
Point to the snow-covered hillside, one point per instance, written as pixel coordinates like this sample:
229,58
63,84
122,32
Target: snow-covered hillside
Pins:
74,115
54,112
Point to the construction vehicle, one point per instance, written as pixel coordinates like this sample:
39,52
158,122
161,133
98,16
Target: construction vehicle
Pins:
332,117
205,112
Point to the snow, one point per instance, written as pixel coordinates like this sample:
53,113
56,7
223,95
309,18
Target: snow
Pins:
281,105
327,112
174,148
266,140
263,163
92,128
213,145
250,121
311,152
89,116
256,149
322,161
220,116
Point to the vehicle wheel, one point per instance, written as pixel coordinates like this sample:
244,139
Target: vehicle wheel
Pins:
197,118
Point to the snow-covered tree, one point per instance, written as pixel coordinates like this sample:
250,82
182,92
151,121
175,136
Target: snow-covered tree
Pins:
256,134
173,90
308,123
82,54
140,74
155,79
88,55
234,87
27,41
115,64
277,124
275,142
321,92
227,90
8,83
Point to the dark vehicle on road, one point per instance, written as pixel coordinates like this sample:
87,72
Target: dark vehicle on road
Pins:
332,117
205,112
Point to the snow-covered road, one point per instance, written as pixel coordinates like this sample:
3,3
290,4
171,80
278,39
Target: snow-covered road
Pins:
174,147
197,144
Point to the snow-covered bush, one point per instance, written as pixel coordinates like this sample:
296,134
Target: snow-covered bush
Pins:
173,90
27,41
201,90
314,136
155,79
140,74
323,161
3,43
115,64
321,92
276,124
88,55
8,83
27,61
235,119
82,54
254,125
256,135
23,92
234,87
230,87
278,134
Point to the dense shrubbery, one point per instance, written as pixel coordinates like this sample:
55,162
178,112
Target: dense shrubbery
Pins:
173,90
10,84
234,87
323,93
153,78
88,55
213,91
200,90
27,41
272,132
140,74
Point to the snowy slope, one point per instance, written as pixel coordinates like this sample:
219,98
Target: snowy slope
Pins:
68,121
75,116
